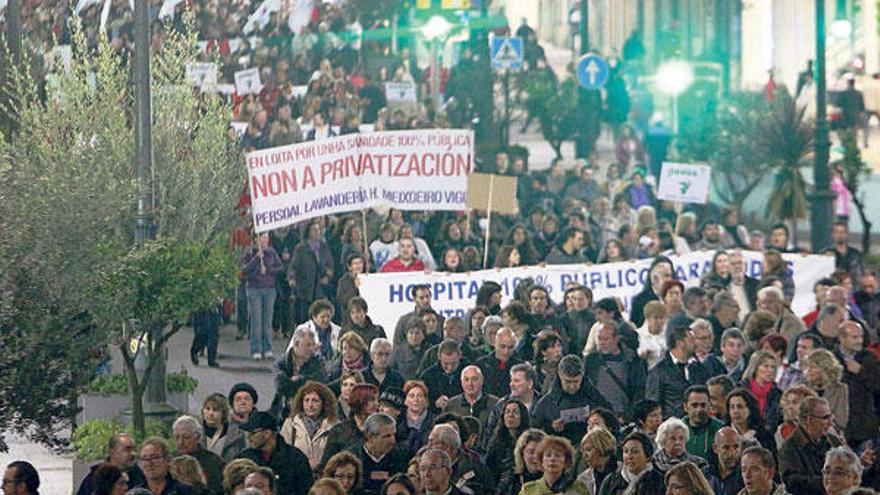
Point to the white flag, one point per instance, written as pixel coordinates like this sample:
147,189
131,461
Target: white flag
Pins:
300,15
260,17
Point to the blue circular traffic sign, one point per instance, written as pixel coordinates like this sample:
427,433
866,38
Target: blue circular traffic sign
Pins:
592,71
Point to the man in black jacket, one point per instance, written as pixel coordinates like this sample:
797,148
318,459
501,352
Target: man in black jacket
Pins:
121,454
496,366
268,449
672,376
661,270
442,378
615,371
861,375
188,439
380,459
564,410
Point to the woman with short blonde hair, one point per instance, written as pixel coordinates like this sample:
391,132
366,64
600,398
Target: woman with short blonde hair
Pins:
822,373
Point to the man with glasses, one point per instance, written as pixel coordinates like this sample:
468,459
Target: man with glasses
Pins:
268,449
21,478
803,453
435,468
155,461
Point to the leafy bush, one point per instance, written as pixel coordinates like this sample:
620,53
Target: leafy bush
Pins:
115,384
181,382
91,438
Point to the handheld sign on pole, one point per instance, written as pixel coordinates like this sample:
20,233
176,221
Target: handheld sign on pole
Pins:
248,81
592,71
684,182
501,198
507,52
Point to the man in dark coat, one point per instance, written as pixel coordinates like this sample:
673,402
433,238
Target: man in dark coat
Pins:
564,410
309,273
615,371
421,294
289,377
290,465
474,400
803,453
861,374
442,378
661,270
378,455
495,367
671,377
120,454
188,439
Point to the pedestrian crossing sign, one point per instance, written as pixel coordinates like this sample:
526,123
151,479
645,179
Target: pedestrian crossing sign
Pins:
507,52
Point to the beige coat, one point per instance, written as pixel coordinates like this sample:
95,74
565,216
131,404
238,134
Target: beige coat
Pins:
294,433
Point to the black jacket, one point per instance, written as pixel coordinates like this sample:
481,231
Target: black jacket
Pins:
666,384
551,406
630,385
637,313
440,383
291,467
287,384
376,473
496,381
212,465
136,478
801,461
863,387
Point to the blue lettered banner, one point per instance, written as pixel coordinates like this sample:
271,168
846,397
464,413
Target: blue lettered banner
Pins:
389,294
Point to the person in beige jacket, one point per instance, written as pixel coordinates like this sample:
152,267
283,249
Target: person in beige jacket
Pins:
312,415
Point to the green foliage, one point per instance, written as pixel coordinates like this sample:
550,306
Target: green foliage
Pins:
786,140
91,438
114,384
555,109
67,202
117,383
181,382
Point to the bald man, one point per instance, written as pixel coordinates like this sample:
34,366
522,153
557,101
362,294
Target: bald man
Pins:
726,474
496,366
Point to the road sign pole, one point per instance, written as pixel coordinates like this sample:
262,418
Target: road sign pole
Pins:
505,137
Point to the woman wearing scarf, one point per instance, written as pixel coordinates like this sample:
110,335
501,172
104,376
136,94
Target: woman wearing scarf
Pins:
672,437
312,415
759,378
636,475
221,437
353,356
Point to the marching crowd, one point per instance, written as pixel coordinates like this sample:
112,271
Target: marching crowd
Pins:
715,388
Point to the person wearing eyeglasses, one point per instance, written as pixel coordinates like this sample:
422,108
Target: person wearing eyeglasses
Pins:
803,453
20,478
435,468
155,460
842,471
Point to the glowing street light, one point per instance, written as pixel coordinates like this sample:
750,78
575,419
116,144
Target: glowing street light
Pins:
435,30
841,29
673,78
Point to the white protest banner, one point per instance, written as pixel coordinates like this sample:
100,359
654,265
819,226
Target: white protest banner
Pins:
202,74
400,91
248,81
409,170
453,294
685,182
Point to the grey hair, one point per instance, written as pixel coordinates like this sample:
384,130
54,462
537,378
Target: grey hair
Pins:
775,291
472,367
375,422
449,437
491,320
700,323
667,427
189,422
505,331
444,457
374,346
300,333
847,457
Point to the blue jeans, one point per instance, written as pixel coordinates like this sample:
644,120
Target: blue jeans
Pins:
260,305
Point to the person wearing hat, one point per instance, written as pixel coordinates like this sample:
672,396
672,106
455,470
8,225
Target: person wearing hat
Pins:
392,402
268,449
564,410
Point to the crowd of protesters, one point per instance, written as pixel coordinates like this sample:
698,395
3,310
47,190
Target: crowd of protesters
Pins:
716,388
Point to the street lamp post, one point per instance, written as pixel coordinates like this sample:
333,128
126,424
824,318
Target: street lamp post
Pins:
673,78
435,31
821,199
